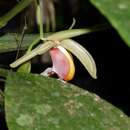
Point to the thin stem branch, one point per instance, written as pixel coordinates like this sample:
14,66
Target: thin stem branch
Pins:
40,20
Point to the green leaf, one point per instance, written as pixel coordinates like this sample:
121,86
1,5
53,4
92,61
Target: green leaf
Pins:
118,14
34,102
8,42
3,72
13,12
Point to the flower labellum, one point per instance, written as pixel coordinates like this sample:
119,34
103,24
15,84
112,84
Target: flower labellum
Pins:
63,64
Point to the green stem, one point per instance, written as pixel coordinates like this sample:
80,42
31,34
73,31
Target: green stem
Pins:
39,20
33,44
13,12
21,39
73,24
1,96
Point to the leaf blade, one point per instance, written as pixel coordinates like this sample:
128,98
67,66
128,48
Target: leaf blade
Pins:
44,103
118,14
